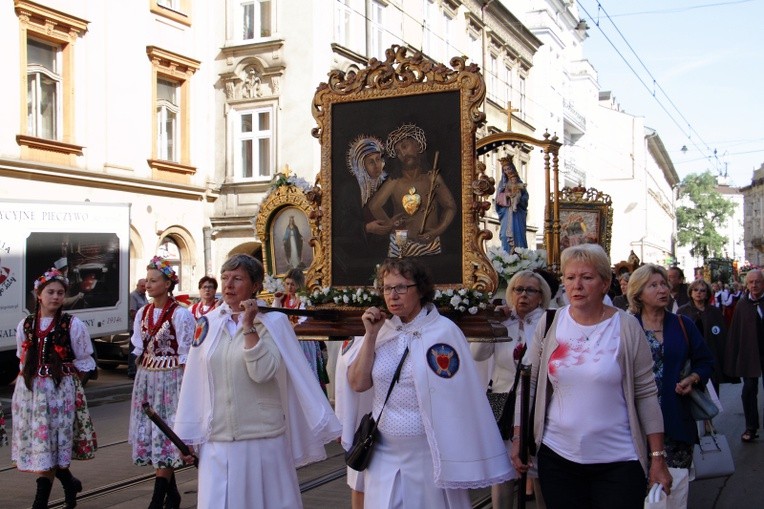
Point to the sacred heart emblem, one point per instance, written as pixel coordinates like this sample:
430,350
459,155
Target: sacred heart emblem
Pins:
443,360
411,201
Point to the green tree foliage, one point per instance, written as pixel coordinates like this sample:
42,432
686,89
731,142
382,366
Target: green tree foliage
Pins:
698,222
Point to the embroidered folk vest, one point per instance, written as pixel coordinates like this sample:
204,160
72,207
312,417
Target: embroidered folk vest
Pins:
160,344
56,342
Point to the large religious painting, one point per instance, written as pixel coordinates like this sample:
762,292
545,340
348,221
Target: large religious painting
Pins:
398,172
586,217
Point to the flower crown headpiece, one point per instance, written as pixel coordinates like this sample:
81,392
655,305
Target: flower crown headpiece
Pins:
164,267
52,274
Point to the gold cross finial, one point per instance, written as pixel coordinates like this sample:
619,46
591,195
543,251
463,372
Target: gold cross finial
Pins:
510,110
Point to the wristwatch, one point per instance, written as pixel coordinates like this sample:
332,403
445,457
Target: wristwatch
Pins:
253,330
655,454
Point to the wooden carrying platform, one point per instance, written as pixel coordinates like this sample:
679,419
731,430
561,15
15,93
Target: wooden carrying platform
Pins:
483,326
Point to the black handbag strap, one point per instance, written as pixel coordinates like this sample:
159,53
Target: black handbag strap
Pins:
396,376
517,368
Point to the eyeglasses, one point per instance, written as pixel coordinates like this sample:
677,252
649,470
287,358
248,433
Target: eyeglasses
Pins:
398,289
208,287
520,289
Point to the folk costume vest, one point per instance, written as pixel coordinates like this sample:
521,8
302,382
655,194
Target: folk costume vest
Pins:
160,342
54,341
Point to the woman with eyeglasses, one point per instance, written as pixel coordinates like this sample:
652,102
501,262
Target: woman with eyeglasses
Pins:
596,420
710,322
527,296
437,434
208,285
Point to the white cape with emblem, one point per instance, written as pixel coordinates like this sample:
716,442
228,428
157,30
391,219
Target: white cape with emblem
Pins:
311,422
465,444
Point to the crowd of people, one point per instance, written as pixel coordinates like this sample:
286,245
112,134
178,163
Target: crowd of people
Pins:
609,387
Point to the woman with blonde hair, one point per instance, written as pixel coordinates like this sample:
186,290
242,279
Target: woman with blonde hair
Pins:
673,339
597,419
528,296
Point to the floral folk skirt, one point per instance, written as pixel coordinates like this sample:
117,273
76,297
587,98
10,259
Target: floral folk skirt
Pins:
161,389
43,424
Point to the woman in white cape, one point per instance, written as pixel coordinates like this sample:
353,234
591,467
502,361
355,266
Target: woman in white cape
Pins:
249,402
528,296
437,436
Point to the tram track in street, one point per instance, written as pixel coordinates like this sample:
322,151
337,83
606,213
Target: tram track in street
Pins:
111,488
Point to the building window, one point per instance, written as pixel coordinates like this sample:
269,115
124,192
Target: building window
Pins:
492,84
507,84
432,18
257,19
255,144
350,24
169,250
447,38
521,90
43,89
46,63
171,79
167,112
377,37
176,10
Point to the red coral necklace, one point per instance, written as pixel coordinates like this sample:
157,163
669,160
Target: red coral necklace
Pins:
43,333
151,326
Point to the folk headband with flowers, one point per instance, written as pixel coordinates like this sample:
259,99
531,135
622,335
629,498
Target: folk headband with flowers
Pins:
164,267
52,274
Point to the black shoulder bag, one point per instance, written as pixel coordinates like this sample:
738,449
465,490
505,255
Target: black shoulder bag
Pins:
365,437
503,405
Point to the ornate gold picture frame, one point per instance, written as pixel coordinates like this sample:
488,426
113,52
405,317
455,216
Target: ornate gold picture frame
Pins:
283,224
434,216
586,217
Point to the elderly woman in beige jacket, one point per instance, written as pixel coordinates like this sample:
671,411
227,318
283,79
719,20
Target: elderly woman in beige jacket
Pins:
249,402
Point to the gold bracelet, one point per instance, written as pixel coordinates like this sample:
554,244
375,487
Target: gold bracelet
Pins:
655,454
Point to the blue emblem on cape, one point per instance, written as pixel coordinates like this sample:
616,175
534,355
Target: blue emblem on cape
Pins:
202,328
347,344
715,330
443,360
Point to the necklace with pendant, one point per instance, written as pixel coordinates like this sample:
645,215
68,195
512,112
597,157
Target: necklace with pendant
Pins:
596,326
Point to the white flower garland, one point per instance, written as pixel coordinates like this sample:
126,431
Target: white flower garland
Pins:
507,265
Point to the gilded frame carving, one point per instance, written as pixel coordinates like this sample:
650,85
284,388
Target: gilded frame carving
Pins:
586,216
445,103
278,205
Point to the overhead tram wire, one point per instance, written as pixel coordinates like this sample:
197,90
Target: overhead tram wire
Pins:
649,73
690,130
